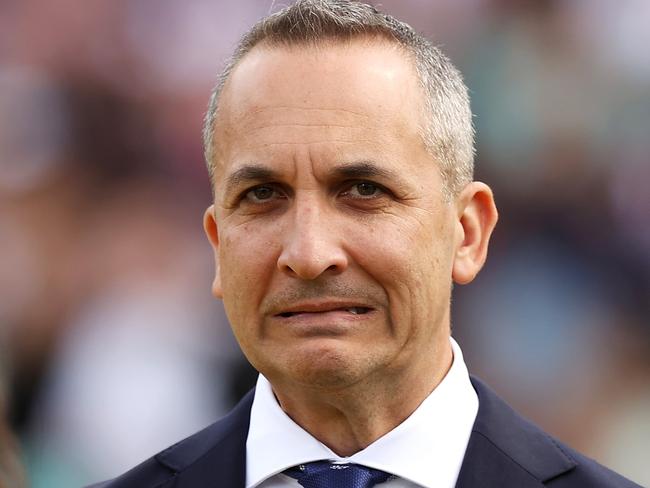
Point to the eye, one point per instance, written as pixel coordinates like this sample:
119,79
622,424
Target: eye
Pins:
261,194
364,190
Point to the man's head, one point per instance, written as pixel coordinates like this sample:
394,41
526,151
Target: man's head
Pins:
446,127
336,237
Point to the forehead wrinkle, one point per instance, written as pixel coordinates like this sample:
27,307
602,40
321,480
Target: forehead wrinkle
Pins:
297,124
270,117
301,134
257,111
351,140
312,133
326,141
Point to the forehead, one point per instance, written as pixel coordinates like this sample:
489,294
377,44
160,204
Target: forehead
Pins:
336,92
362,77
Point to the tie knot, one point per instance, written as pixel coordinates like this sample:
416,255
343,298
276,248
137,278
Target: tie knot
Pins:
323,474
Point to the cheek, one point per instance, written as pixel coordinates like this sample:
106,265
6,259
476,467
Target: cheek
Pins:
411,261
246,262
399,249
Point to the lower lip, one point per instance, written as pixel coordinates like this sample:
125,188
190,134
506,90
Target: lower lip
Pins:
324,323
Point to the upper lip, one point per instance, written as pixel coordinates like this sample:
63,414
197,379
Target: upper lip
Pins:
323,306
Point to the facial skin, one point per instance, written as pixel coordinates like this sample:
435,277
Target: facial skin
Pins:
335,247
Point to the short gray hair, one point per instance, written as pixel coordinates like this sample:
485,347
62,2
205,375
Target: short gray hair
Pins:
448,133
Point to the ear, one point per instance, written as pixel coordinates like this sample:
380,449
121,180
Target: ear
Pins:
211,230
477,216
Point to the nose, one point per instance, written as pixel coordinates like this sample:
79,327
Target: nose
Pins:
311,245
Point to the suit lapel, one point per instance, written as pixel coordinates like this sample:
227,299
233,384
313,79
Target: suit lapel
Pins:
216,456
486,466
507,451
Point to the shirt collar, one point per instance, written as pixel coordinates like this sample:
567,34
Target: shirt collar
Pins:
427,448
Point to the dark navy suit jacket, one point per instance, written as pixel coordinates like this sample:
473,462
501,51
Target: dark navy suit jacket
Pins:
504,451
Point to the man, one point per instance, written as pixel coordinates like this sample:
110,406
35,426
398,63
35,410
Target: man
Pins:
340,147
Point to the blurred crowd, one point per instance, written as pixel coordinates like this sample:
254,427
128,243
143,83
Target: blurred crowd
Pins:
107,326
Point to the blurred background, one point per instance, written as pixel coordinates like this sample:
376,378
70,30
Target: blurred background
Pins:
111,346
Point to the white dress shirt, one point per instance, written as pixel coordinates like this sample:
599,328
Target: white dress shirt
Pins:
426,450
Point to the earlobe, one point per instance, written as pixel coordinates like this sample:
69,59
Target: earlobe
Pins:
212,232
477,216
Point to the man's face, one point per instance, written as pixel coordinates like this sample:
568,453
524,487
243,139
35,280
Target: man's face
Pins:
333,240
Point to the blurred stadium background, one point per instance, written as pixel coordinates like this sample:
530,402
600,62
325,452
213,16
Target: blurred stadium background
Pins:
102,189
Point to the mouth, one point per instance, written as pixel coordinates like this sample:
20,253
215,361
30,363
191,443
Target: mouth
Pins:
350,310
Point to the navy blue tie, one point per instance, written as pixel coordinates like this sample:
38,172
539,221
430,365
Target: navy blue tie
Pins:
323,474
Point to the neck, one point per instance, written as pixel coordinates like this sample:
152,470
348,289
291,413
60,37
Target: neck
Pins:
350,418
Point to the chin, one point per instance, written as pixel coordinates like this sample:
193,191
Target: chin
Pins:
322,367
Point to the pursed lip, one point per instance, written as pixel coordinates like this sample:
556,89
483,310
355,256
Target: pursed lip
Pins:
321,307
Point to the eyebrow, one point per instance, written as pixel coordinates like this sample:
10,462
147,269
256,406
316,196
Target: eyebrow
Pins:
247,174
362,169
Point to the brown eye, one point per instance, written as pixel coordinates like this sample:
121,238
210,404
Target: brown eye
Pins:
261,194
366,189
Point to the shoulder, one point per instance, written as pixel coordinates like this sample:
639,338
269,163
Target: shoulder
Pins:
507,450
219,448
